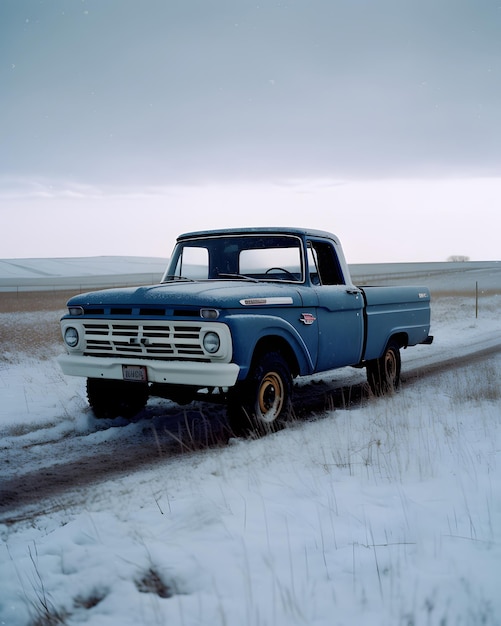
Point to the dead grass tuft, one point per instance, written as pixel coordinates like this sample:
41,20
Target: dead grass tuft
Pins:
478,386
152,582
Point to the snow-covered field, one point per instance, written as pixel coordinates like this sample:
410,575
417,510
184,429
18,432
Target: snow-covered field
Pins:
383,512
78,272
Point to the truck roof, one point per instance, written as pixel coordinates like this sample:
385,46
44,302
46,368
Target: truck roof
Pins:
254,230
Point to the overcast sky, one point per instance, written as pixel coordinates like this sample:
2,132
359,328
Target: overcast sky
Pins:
125,122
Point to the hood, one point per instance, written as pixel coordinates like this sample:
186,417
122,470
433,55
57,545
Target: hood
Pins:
214,293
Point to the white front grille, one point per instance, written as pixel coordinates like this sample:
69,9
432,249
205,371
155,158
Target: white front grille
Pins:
144,339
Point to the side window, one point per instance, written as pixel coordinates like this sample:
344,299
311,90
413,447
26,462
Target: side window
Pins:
323,264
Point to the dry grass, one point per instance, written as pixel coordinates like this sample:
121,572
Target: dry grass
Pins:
463,293
27,333
31,301
29,323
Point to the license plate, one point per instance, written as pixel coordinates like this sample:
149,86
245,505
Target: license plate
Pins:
135,373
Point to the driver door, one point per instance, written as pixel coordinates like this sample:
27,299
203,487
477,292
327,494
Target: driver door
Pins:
340,309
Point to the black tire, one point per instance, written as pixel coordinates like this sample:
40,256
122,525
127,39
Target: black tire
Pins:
113,398
262,403
383,374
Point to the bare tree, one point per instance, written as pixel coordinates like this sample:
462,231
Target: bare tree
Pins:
458,258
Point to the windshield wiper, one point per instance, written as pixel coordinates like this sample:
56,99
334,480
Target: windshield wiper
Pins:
238,277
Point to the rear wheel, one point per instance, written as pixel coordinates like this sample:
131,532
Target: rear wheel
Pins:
262,403
383,374
113,398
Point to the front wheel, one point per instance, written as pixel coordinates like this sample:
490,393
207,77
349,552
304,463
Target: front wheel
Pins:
112,398
262,403
383,374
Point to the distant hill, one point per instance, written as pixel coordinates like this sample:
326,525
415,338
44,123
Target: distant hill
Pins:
62,273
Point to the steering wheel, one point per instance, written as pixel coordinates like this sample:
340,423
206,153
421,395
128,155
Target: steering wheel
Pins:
281,269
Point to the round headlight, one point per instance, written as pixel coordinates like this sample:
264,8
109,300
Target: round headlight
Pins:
71,336
211,342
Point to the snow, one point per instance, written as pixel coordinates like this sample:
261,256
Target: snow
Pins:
73,267
386,512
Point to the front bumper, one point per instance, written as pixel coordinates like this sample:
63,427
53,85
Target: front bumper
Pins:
191,373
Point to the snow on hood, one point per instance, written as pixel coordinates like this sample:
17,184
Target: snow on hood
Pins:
210,293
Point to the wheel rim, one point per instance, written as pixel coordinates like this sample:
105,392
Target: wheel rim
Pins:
391,368
270,400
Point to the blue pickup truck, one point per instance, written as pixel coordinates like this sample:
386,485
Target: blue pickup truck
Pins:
237,316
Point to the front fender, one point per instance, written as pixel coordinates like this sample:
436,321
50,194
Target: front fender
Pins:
248,330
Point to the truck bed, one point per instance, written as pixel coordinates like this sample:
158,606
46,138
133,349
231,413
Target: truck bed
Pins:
390,311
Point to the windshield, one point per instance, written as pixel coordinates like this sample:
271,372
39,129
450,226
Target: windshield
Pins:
244,257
